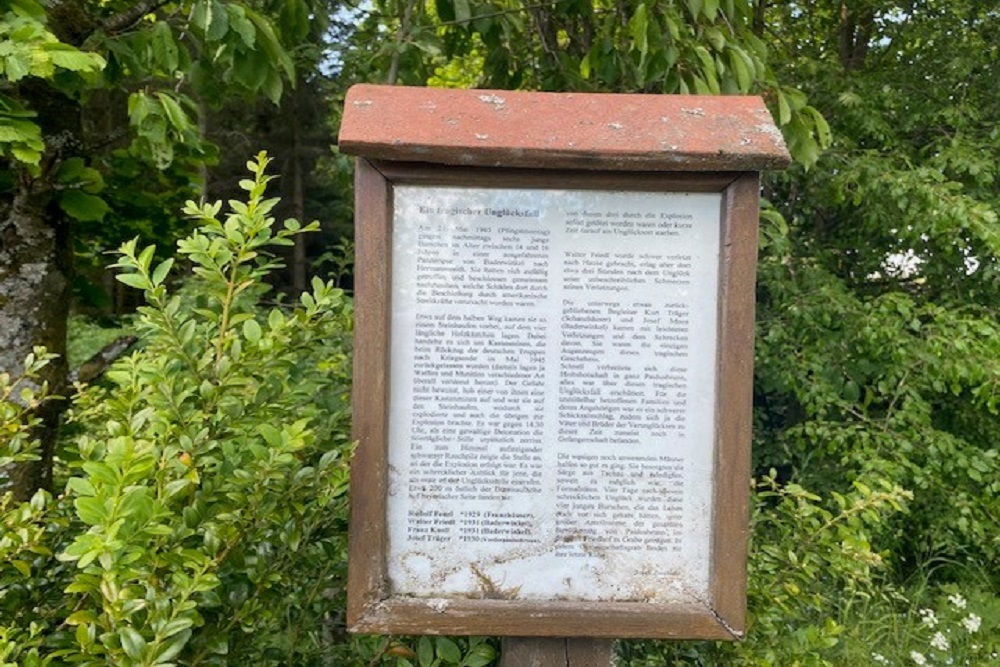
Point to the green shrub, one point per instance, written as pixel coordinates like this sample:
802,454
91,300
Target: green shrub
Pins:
204,515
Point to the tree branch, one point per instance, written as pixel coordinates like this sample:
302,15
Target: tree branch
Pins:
127,19
503,12
401,35
95,367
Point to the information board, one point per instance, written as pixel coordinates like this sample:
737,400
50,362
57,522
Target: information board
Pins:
552,402
553,364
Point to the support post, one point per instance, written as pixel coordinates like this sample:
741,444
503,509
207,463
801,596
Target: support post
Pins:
556,652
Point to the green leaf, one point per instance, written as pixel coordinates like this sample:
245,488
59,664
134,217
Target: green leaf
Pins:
157,529
445,10
294,21
425,652
271,434
201,15
174,487
481,655
270,44
27,155
273,87
21,133
135,280
28,9
39,500
585,64
172,647
699,85
132,642
140,105
218,644
796,98
83,206
82,616
715,38
801,143
709,69
91,510
638,31
672,28
741,70
85,634
171,628
251,69
101,472
136,501
784,111
81,545
161,271
448,650
145,257
165,54
823,132
90,180
69,58
212,18
243,27
17,66
174,113
252,331
711,9
81,486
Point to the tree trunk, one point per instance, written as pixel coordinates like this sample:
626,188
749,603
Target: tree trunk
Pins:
759,9
854,36
35,256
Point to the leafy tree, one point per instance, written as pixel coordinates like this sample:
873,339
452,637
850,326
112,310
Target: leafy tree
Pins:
64,69
878,321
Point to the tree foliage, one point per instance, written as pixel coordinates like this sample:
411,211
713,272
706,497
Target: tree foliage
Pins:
97,93
164,55
707,47
883,289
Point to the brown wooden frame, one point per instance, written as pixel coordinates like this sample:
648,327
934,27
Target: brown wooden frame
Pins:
372,607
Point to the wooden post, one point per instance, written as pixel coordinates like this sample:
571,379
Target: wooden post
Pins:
556,652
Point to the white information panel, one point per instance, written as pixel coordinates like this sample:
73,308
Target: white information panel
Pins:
552,409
